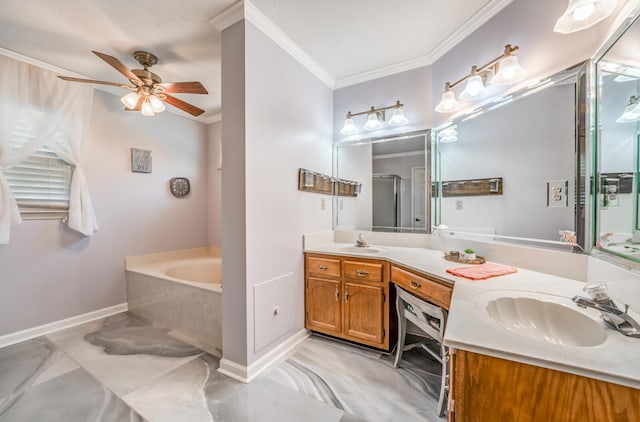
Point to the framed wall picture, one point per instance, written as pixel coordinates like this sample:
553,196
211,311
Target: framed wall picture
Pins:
140,160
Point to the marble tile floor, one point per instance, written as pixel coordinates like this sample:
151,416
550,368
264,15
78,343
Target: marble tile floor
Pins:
119,369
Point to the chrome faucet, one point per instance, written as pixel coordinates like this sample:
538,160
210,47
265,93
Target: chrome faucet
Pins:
610,313
361,243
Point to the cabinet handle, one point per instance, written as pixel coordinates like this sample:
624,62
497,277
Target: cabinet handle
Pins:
323,267
362,273
414,284
337,293
346,294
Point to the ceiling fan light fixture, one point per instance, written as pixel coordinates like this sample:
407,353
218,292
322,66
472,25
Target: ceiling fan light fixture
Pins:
156,104
130,100
147,109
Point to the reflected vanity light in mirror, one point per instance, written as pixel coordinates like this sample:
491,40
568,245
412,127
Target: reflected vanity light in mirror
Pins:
582,14
631,112
448,135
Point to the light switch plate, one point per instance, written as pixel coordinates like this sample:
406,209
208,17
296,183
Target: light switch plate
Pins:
459,205
557,193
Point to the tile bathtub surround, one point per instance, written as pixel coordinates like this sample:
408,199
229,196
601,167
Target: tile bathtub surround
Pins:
194,313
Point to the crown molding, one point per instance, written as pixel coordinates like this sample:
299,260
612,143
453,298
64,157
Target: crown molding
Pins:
466,29
229,16
43,65
257,18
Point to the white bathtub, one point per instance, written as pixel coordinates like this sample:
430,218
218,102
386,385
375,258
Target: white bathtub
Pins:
182,295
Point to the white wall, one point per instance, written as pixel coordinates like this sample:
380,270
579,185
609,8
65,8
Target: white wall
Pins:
528,142
49,272
277,118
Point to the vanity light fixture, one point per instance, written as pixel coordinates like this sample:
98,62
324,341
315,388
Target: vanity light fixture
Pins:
631,112
583,14
504,70
375,118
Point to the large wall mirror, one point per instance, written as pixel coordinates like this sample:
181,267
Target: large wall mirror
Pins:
511,170
618,137
395,174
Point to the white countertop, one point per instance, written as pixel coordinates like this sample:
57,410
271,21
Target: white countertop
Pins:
470,327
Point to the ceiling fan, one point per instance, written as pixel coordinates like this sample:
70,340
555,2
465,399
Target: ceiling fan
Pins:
148,92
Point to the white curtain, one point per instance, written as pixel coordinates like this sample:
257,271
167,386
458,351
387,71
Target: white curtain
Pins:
58,113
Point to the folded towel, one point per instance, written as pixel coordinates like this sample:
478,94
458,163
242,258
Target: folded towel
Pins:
482,272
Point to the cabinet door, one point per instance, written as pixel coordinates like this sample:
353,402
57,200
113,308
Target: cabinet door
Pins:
324,310
364,312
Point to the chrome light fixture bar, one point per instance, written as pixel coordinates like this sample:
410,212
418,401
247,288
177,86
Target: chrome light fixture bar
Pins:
375,118
505,70
583,14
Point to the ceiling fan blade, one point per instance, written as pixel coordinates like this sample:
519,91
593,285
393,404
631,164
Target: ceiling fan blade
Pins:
91,81
117,64
184,87
191,109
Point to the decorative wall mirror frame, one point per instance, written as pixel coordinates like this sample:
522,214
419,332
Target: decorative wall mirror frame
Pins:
616,201
395,172
542,126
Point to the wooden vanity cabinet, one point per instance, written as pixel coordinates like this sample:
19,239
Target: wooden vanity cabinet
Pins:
486,388
421,285
347,297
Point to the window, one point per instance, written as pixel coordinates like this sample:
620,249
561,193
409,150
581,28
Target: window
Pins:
41,185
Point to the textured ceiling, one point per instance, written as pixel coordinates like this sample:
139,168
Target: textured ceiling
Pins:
345,38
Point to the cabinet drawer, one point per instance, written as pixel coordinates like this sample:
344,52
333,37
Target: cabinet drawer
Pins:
422,287
323,267
366,271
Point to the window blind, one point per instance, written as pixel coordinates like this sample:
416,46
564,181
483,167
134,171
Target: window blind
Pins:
41,183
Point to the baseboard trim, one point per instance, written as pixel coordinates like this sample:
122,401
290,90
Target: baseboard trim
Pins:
29,333
246,374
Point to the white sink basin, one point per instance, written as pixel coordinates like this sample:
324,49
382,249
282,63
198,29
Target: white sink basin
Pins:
548,318
362,249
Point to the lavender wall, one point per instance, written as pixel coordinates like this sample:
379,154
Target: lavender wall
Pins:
48,272
278,118
234,238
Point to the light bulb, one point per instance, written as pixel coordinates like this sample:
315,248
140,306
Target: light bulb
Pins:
509,72
475,89
583,11
156,104
448,103
147,109
372,122
130,100
398,118
349,127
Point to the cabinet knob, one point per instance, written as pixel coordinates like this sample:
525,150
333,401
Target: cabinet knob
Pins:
362,273
323,267
414,284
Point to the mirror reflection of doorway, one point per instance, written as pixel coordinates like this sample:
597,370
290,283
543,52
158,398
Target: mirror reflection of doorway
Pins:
418,200
386,201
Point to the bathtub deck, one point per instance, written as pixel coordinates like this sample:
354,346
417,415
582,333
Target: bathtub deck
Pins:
119,368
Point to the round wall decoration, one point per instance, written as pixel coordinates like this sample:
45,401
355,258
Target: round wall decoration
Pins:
180,186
